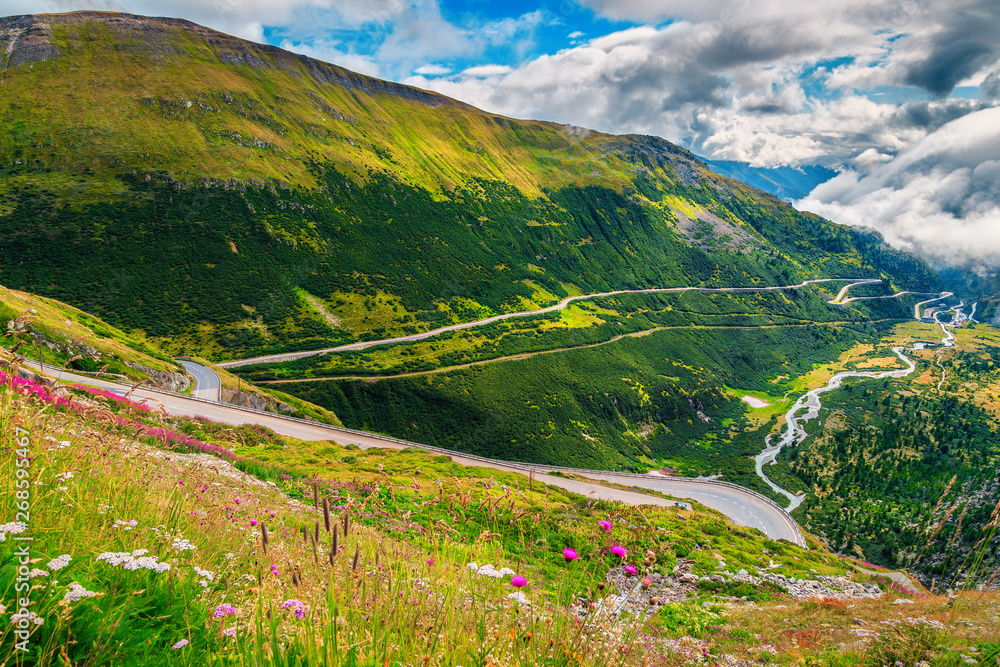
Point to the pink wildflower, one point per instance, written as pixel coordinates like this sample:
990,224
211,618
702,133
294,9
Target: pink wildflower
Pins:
570,554
630,569
518,581
619,551
606,525
296,606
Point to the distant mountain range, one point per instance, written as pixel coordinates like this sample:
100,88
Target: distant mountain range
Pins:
788,183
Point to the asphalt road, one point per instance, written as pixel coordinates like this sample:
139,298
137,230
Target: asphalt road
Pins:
291,356
742,506
207,384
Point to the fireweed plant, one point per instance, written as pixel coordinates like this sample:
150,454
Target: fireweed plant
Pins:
153,547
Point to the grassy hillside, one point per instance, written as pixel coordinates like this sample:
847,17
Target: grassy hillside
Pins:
149,547
67,337
267,196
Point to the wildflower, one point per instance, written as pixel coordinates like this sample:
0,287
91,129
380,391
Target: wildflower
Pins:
77,592
646,582
274,570
224,609
31,617
650,554
570,554
229,632
606,525
631,569
430,561
181,644
298,609
37,573
518,581
520,598
183,545
133,561
60,562
13,528
619,551
253,522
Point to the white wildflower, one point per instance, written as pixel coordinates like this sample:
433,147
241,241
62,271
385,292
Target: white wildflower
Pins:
30,616
183,545
77,592
37,573
60,562
133,561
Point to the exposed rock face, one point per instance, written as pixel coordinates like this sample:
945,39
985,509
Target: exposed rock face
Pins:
254,401
163,379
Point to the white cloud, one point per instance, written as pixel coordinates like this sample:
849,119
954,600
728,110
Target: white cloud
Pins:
940,197
432,70
483,71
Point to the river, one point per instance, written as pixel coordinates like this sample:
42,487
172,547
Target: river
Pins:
795,432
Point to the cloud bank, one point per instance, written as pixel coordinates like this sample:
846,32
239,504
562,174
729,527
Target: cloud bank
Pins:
939,198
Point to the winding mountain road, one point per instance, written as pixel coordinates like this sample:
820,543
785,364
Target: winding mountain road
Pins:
363,345
207,384
742,506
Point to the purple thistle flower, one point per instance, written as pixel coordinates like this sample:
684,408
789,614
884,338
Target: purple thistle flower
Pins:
570,554
606,525
619,551
518,581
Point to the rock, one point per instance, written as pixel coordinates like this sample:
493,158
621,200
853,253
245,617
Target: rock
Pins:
902,601
254,401
170,381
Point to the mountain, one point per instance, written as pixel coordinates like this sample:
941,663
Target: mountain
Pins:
228,199
788,183
239,194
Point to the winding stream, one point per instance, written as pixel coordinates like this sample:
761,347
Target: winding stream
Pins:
795,431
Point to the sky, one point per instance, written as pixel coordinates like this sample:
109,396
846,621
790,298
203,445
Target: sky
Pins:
900,97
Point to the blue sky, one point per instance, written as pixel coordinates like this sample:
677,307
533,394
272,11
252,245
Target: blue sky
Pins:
900,96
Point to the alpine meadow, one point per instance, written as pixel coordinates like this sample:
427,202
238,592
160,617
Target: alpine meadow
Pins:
300,366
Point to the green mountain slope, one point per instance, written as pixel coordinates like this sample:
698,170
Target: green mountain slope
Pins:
240,195
227,199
